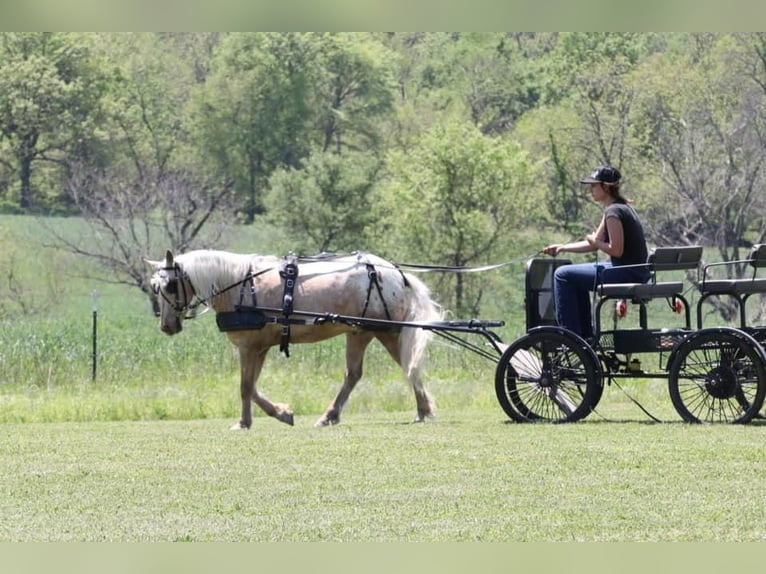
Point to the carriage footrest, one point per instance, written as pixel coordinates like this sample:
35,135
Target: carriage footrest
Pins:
243,320
646,341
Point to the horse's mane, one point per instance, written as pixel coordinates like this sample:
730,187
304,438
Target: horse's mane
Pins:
211,271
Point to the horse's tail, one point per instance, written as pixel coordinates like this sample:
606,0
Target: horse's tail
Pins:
414,340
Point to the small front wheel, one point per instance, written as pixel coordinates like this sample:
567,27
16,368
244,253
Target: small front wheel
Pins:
548,375
717,376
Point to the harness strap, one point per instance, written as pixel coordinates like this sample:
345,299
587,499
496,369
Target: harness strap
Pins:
288,272
373,276
243,285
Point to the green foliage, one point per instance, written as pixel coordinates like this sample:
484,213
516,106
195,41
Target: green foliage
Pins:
353,89
457,199
148,93
49,107
164,129
325,205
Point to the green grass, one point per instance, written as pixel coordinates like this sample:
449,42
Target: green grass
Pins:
468,476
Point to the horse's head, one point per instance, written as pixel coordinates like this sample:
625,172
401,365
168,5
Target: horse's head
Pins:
174,293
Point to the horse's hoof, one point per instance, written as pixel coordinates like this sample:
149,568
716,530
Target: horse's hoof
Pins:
239,426
423,418
325,422
287,418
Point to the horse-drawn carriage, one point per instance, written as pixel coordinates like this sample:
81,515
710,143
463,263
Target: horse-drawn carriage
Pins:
714,374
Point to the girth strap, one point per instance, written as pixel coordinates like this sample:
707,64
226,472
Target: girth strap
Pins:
289,273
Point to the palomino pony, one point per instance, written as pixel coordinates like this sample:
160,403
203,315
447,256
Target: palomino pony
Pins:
358,285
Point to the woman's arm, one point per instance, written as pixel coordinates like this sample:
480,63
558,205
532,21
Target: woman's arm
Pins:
616,244
584,246
574,247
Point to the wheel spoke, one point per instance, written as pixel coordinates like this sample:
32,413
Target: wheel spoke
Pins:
547,376
717,377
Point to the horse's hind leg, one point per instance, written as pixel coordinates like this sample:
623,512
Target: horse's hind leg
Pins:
356,345
423,400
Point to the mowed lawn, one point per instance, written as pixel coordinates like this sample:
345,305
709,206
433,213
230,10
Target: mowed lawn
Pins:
469,476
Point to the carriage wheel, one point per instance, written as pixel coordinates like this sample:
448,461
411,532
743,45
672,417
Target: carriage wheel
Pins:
717,376
548,376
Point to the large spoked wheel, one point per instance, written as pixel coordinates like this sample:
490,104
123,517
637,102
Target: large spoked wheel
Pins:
717,376
548,375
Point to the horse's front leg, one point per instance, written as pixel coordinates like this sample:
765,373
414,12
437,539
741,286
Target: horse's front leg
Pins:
251,363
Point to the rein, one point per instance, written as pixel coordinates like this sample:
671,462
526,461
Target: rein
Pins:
420,268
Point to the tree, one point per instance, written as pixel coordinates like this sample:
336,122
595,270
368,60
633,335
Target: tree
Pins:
704,111
129,221
325,205
50,100
251,116
458,199
587,118
149,189
273,98
354,89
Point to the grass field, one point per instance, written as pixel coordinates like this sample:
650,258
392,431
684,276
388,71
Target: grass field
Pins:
143,452
468,477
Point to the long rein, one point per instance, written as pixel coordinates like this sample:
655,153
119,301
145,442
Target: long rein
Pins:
200,301
417,268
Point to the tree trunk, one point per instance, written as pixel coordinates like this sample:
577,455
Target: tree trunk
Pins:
25,173
26,154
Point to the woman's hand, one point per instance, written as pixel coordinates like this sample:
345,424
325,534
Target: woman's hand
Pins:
553,249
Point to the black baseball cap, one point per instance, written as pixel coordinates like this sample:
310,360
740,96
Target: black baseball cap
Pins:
603,174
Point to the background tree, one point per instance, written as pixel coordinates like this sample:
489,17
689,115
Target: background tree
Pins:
252,114
586,118
354,89
148,190
325,205
456,199
704,112
49,106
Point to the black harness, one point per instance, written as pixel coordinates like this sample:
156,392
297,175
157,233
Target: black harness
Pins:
372,274
251,317
289,273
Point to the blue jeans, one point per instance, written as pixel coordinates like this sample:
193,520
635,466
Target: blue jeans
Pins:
572,287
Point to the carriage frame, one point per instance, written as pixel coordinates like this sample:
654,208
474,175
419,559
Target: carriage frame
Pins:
714,374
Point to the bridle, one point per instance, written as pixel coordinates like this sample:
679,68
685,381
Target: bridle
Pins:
181,297
184,300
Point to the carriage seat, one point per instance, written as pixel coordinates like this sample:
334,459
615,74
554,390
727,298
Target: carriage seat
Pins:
659,260
744,286
740,289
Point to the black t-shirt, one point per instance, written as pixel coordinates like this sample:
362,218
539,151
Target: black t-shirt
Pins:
634,247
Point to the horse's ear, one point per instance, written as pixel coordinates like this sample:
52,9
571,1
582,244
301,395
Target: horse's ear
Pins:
153,264
168,258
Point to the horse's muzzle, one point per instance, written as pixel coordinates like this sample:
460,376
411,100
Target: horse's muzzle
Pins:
171,328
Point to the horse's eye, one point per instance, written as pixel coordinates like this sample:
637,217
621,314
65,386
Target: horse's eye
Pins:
172,286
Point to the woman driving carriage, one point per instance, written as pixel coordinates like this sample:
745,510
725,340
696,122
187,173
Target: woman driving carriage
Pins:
620,235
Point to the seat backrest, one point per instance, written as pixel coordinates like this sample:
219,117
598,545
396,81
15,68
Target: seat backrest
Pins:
757,256
673,258
538,297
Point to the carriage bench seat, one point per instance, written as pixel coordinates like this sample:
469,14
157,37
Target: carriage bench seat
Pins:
740,289
660,259
733,286
744,286
640,291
